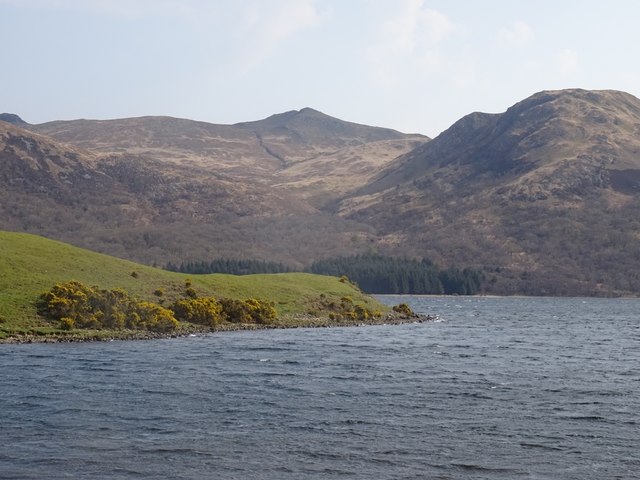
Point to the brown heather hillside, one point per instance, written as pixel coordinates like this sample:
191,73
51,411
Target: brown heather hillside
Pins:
308,134
159,189
176,140
545,195
250,149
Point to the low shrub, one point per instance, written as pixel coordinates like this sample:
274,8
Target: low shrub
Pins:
403,309
75,305
250,310
202,311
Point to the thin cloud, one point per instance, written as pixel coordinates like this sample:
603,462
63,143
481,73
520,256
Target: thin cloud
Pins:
415,27
409,43
266,27
518,34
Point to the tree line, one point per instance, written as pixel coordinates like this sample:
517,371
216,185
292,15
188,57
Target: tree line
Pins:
380,274
373,273
231,266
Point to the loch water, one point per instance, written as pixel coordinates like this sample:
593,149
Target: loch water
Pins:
496,388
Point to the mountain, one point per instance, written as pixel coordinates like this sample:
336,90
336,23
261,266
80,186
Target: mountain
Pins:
170,139
247,149
127,205
39,175
543,196
299,135
294,150
160,189
12,118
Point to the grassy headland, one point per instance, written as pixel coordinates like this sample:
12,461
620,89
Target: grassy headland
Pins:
31,265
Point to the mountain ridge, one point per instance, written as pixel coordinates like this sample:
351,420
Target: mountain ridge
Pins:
541,197
507,191
250,150
165,199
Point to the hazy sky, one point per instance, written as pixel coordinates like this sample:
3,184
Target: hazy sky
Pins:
412,65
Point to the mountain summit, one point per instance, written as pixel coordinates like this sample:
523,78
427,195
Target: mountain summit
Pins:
297,135
555,130
311,127
546,190
250,148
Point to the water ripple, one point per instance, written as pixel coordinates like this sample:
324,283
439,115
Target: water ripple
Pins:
504,388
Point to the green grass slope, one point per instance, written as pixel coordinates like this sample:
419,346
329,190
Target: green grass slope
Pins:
31,265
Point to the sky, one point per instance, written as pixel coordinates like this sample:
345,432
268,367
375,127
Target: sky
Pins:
413,65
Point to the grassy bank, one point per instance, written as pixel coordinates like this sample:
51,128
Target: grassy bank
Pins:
31,265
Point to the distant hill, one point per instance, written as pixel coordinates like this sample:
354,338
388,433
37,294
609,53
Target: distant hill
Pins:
247,148
159,189
130,206
542,198
12,118
545,194
318,156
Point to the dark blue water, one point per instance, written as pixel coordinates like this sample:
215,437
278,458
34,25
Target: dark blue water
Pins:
501,388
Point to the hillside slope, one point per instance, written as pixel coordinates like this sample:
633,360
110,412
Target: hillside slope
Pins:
247,149
30,265
307,134
542,197
544,194
149,210
162,189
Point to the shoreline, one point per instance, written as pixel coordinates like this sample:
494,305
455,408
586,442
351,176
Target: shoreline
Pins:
136,335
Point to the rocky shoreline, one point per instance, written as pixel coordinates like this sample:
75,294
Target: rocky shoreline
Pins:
301,321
